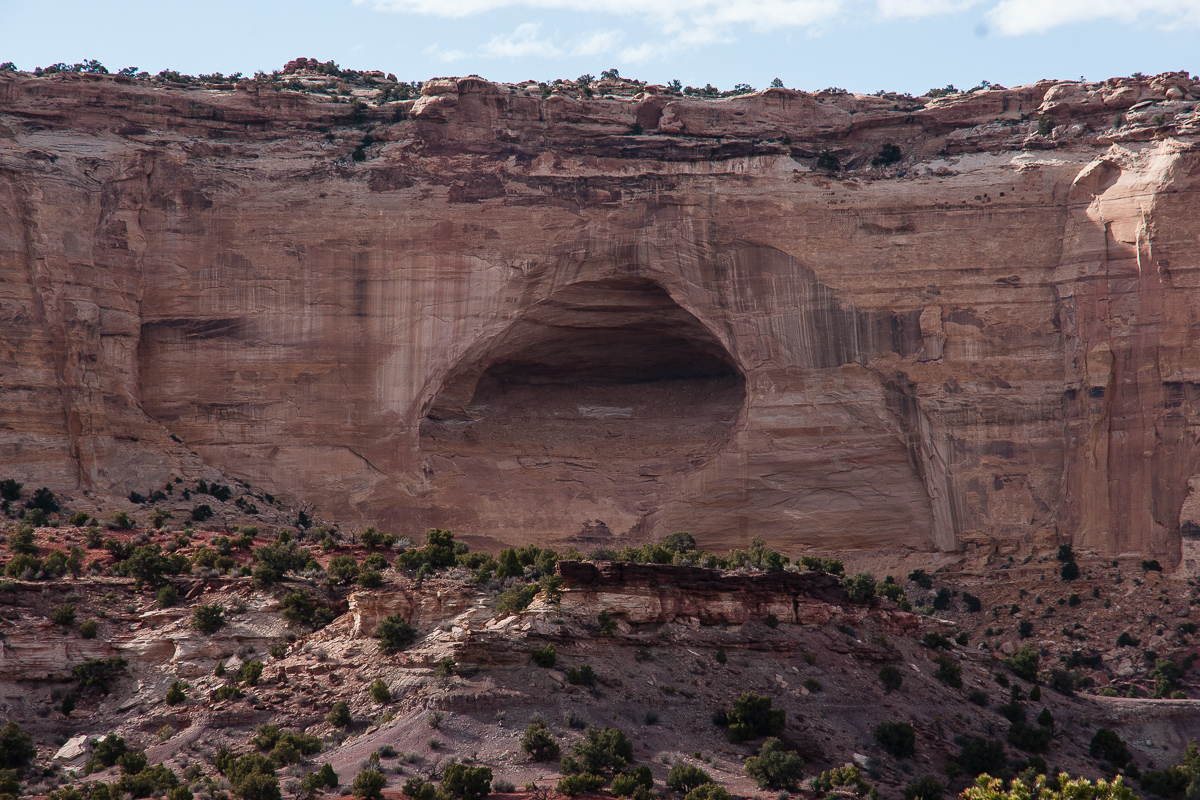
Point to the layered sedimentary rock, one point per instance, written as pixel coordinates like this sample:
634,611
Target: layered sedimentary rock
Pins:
566,319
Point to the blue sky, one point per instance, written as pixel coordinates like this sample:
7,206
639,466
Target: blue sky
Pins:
860,45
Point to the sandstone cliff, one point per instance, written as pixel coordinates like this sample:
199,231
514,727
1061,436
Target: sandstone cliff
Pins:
555,319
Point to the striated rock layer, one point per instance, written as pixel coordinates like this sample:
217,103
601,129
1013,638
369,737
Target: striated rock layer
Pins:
554,319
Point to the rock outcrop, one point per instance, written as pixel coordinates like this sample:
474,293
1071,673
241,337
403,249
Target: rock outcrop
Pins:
555,319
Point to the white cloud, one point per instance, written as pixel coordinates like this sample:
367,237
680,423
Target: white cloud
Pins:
1018,17
598,43
521,43
437,53
922,8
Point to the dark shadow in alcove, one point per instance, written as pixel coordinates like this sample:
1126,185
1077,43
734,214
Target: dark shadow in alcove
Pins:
611,369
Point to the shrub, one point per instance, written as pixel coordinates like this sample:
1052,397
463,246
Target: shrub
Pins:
339,714
16,747
208,619
860,588
752,717
201,513
627,783
517,599
928,788
980,755
167,596
1032,739
538,742
10,490
380,692
1152,566
226,692
325,778
941,600
23,565
63,614
774,767
368,784
461,782
936,641
342,570
1127,640
1107,745
979,697
88,629
948,671
897,738
828,162
581,676
250,672
709,791
370,580
176,694
99,672
1024,663
395,634
891,677
577,784
418,789
685,777
722,658
20,541
603,751
545,656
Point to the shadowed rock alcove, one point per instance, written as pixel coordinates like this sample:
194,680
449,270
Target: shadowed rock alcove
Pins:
611,370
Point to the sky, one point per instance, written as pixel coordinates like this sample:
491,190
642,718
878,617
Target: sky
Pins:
859,45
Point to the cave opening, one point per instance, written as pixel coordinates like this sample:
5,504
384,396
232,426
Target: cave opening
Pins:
613,370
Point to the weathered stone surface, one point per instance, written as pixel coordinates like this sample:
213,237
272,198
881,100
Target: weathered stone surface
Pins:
510,316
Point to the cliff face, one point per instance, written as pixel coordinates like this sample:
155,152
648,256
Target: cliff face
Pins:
554,319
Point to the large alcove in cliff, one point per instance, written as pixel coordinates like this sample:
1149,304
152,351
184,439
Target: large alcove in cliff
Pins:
611,370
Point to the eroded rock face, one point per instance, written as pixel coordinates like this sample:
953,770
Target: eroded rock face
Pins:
508,315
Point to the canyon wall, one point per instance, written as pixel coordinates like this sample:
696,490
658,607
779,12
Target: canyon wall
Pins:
535,317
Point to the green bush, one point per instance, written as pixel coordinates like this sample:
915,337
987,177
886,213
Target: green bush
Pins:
1024,663
604,751
860,588
774,767
578,784
461,782
974,604
545,657
325,778
99,673
948,671
685,777
440,551
63,614
538,742
627,783
167,597
1127,640
16,747
395,634
202,513
339,714
252,776
297,607
581,676
891,677
1031,739
250,672
208,619
87,629
418,789
342,570
380,692
226,692
709,791
897,738
928,788
176,694
981,755
368,785
1108,746
517,599
752,717
370,580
